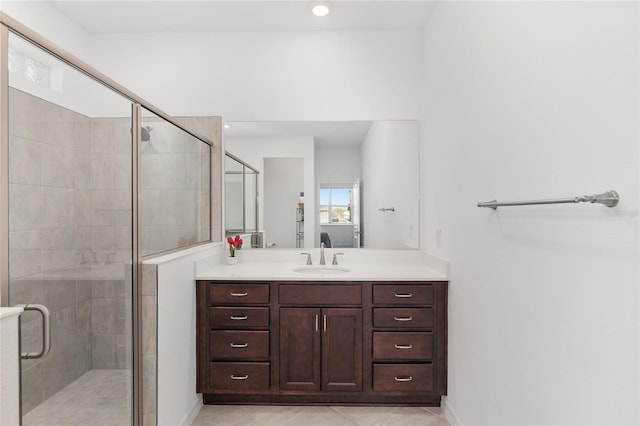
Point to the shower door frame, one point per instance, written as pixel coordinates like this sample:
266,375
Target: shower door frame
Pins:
9,24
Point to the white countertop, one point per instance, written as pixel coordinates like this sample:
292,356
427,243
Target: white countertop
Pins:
270,265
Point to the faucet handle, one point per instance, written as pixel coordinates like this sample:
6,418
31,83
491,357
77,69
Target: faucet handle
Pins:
308,258
335,259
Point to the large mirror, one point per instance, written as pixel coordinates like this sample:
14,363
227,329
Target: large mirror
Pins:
344,184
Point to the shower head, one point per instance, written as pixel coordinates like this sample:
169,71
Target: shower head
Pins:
145,133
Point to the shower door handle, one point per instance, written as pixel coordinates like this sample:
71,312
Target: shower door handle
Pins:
46,330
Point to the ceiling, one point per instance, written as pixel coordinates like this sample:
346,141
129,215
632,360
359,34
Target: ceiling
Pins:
326,133
99,16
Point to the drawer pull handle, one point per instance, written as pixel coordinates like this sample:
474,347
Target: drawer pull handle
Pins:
239,345
403,379
239,294
404,346
404,295
403,318
239,317
234,377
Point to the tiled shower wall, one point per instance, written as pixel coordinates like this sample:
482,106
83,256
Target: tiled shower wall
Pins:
174,211
68,213
70,231
210,127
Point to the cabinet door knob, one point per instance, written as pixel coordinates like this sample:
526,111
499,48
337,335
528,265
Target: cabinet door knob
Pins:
403,295
403,318
234,377
404,346
239,317
239,345
403,379
239,294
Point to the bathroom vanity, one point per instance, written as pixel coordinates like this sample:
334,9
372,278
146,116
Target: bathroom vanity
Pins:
321,339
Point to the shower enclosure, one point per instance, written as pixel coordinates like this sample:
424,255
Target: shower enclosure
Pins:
93,179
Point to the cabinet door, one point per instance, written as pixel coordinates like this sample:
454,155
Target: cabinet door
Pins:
300,349
342,350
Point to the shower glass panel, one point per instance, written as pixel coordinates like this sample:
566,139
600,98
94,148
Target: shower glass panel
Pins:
234,194
175,208
250,200
70,238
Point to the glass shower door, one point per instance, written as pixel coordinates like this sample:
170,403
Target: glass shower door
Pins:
70,238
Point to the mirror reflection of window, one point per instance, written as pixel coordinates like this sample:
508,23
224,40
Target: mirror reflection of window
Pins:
335,205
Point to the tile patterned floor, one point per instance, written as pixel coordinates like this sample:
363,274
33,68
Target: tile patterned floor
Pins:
254,415
99,397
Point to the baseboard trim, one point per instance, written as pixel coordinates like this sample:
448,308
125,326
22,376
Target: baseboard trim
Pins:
190,417
450,413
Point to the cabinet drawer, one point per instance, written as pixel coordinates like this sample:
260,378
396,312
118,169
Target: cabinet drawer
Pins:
403,318
224,344
403,377
239,376
402,345
398,294
320,294
238,317
239,293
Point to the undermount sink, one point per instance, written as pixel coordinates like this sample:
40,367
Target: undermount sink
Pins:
321,269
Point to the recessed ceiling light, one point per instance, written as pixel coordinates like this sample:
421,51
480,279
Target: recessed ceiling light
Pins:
227,125
320,8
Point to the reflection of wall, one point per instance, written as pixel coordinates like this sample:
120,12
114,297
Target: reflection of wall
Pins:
283,182
390,164
254,150
335,164
233,207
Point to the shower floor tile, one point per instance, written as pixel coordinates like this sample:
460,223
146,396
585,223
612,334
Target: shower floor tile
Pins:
99,397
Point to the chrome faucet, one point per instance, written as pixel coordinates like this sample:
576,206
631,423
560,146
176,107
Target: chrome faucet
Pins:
87,256
308,258
322,253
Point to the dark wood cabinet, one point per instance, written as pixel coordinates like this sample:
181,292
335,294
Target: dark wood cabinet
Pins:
342,349
299,349
322,342
321,349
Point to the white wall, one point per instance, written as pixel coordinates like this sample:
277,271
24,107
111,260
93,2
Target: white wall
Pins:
253,151
10,366
178,402
529,100
51,24
270,76
390,165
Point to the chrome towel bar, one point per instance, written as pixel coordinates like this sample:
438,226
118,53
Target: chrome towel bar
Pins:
609,199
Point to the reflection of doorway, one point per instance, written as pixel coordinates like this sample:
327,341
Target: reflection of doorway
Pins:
340,214
283,183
